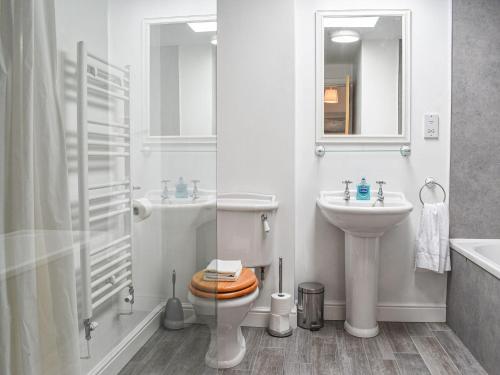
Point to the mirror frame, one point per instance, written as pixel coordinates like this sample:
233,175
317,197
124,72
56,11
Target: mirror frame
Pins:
192,142
404,138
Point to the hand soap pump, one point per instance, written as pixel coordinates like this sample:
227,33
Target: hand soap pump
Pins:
181,190
363,190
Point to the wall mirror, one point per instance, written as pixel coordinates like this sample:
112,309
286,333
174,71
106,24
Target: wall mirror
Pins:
362,77
180,79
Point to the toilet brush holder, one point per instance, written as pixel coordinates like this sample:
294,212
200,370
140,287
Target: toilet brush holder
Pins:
279,320
173,316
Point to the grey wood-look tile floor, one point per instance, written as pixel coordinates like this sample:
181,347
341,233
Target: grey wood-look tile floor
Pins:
400,348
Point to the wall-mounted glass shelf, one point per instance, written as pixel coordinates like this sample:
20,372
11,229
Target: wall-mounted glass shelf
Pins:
403,150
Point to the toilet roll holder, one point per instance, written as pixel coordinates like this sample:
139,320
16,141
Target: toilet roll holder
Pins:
279,321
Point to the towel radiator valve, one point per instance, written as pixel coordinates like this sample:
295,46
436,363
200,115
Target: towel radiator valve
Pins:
89,326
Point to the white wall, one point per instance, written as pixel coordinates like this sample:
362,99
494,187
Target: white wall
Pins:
182,98
196,89
168,93
319,247
155,253
338,72
125,24
357,129
266,136
379,92
255,114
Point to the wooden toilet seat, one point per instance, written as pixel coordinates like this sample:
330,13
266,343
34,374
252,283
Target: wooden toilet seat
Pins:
246,284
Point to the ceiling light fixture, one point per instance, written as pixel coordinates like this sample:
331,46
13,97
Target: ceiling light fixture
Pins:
350,21
213,40
202,27
344,36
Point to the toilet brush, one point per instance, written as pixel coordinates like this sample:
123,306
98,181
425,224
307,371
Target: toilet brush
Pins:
279,321
173,316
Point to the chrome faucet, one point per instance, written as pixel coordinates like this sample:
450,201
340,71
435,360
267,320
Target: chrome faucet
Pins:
196,192
347,193
164,193
380,193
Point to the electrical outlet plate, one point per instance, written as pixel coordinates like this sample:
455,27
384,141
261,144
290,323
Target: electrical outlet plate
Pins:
431,126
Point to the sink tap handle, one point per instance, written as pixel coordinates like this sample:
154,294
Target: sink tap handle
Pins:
380,193
164,193
196,192
347,194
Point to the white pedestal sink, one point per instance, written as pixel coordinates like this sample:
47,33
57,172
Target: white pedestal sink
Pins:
363,223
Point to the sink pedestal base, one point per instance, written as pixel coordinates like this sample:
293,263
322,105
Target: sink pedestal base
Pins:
361,277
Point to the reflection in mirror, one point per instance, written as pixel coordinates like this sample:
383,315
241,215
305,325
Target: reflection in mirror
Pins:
363,75
182,65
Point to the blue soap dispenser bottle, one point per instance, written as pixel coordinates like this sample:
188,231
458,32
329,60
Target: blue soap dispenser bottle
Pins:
363,190
181,190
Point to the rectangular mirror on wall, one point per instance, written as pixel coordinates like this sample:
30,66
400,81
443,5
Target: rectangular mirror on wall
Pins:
180,79
362,73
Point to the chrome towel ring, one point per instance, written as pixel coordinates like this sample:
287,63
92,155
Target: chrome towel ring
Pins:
430,182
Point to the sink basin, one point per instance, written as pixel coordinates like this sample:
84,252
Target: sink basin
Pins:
363,218
206,199
363,222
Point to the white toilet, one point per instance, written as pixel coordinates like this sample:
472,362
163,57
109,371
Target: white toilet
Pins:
243,232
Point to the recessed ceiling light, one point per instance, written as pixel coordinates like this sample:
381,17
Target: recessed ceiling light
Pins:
350,21
344,36
203,27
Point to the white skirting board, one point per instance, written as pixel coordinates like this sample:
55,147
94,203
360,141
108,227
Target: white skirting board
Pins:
335,310
259,317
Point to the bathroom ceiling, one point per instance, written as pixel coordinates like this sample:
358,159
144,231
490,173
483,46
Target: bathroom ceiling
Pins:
178,34
386,28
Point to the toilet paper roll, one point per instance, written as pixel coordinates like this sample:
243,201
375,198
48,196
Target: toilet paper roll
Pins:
142,209
281,303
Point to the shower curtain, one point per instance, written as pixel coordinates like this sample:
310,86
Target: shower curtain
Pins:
38,317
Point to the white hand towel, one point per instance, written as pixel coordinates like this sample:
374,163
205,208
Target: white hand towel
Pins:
224,267
211,276
432,249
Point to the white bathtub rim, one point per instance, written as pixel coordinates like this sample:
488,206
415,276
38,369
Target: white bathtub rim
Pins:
464,246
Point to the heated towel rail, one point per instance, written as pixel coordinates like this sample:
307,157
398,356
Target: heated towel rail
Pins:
106,270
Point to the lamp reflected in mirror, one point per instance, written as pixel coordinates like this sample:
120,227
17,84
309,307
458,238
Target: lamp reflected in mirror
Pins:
331,95
338,107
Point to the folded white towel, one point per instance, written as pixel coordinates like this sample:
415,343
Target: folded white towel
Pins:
224,267
212,276
432,249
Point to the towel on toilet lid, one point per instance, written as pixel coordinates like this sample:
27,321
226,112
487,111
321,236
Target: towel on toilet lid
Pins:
223,270
432,249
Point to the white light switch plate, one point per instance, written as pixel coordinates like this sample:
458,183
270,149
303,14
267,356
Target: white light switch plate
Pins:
431,126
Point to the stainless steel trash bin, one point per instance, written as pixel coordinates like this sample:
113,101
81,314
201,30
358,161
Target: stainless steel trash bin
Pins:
311,305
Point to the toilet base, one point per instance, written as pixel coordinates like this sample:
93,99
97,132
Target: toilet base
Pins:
227,344
218,360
